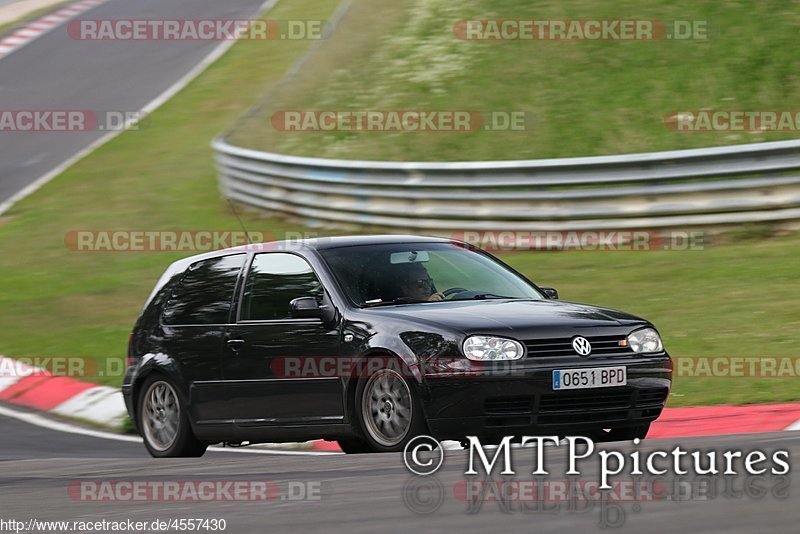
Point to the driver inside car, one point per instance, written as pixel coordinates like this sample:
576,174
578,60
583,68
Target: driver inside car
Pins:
414,282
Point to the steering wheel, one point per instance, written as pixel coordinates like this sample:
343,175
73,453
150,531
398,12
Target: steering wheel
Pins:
453,291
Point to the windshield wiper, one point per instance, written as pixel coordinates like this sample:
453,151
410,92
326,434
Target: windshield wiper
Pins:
484,296
400,300
411,300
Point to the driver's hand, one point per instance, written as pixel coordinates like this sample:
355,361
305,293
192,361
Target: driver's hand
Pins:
436,297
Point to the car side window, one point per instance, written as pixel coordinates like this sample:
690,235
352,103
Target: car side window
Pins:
275,279
205,292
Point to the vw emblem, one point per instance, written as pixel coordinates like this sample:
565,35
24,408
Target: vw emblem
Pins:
582,346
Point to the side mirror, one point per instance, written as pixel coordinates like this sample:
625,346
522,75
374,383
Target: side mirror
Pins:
305,308
550,292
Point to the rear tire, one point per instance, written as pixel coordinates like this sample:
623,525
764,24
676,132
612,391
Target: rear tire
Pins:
164,421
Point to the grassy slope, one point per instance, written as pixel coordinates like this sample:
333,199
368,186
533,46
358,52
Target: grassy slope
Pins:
737,299
586,97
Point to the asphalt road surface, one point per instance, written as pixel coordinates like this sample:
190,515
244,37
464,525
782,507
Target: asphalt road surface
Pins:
368,493
56,72
22,441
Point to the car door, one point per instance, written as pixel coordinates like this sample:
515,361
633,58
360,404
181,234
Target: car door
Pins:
194,324
266,341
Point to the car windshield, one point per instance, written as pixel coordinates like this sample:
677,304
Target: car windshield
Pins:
404,273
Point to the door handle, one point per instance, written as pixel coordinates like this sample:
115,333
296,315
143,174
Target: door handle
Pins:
235,344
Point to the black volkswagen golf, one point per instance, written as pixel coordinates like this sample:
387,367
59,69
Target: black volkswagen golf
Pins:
373,340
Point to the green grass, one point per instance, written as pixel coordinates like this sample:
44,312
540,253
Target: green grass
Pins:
737,299
585,98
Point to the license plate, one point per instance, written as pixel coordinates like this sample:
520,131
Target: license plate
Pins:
592,377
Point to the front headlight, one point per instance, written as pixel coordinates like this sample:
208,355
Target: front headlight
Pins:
645,340
488,348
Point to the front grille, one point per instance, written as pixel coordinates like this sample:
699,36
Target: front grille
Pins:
584,406
562,346
583,417
574,407
583,401
652,397
508,405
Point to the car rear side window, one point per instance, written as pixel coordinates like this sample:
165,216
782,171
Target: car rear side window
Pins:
205,292
275,279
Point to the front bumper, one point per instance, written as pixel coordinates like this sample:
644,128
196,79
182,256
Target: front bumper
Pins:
524,403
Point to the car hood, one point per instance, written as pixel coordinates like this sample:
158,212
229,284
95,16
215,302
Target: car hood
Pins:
523,319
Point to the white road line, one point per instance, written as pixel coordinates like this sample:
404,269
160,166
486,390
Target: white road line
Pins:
794,426
215,54
49,424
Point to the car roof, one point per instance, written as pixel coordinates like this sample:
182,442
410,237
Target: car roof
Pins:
317,243
321,243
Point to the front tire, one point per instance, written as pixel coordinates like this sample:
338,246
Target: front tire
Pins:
388,412
164,421
353,446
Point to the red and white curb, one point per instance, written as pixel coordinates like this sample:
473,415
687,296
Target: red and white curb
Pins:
36,388
720,420
35,29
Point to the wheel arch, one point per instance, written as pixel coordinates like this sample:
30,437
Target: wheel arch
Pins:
155,366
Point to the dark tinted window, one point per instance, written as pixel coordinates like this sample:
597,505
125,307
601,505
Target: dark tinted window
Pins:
380,274
205,291
276,279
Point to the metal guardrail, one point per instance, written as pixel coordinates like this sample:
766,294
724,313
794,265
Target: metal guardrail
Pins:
699,187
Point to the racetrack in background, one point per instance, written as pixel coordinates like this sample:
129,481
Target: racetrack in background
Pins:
57,72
